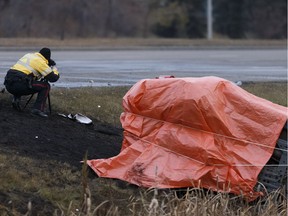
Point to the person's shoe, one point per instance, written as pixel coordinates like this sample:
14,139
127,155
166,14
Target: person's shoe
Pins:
16,103
38,113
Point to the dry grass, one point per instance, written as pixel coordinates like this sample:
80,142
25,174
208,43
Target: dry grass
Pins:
194,201
275,92
128,43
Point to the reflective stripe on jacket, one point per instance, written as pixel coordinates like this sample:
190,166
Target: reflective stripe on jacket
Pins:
36,64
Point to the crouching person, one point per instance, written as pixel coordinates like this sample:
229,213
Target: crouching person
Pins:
32,74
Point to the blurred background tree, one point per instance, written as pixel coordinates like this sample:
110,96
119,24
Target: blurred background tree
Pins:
237,19
262,19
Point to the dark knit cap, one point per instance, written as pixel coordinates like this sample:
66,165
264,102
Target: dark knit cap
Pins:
46,53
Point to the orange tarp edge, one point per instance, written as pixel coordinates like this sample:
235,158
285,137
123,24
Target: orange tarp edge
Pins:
185,132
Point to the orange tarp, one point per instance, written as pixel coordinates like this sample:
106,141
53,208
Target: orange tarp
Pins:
185,132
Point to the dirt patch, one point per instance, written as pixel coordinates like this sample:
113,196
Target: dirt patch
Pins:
53,139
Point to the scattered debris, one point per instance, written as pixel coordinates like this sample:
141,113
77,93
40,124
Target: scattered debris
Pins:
77,117
61,114
165,76
239,83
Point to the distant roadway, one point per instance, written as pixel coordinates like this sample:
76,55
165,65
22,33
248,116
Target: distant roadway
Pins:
126,67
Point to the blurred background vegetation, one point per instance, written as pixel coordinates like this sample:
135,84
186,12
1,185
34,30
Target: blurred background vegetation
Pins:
61,19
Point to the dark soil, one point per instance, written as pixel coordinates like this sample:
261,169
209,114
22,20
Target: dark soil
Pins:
54,138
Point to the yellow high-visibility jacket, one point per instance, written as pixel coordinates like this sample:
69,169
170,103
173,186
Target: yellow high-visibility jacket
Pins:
36,65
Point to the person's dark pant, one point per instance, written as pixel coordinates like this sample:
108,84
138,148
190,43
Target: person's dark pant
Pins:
18,84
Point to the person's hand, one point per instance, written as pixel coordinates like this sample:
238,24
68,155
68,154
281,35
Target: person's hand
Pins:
51,62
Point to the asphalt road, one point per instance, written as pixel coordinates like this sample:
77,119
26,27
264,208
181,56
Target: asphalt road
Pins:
126,67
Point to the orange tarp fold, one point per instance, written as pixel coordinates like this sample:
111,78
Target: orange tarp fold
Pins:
185,132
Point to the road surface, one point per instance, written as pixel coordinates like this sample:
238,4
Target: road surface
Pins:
126,67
